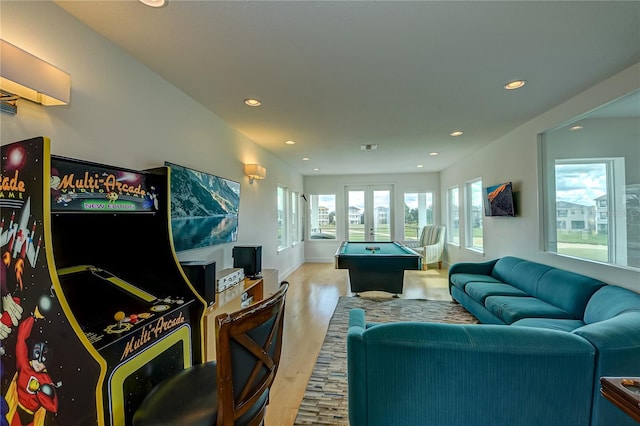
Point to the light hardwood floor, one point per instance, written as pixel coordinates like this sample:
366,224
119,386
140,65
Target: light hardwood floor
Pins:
313,293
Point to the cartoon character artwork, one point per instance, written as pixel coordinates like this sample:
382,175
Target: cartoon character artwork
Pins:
19,250
151,199
11,309
64,198
112,196
32,392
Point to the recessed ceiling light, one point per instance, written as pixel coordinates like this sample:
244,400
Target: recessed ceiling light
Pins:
433,154
369,147
316,169
154,3
515,84
419,166
252,102
305,158
457,133
290,142
576,127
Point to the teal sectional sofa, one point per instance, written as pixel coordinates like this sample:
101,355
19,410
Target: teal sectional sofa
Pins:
547,336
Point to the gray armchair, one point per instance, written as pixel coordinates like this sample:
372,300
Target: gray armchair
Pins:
430,245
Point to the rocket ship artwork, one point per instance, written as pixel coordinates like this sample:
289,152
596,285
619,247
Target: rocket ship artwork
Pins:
18,238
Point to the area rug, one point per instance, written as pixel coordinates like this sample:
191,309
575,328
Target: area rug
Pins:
325,399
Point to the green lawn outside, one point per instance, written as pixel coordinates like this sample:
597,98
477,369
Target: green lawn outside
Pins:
582,238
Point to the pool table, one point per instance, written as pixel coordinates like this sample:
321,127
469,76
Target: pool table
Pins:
376,265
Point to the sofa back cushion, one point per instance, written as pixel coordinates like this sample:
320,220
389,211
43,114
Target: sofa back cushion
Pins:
411,373
526,276
566,290
610,301
504,267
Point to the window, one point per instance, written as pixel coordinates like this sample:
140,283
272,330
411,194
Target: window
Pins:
282,218
322,217
591,198
369,210
583,187
288,217
453,215
473,214
294,214
418,212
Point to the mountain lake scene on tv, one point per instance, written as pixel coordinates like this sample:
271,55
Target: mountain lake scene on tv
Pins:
204,208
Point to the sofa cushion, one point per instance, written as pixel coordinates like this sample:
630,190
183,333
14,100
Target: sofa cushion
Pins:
461,280
610,301
567,290
525,276
481,290
416,373
504,267
512,308
567,325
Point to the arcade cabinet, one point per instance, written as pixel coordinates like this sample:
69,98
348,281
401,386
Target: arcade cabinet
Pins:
101,309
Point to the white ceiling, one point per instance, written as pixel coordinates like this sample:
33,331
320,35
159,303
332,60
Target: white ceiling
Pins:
334,75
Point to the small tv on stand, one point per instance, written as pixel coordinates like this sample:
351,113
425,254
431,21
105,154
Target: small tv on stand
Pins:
249,258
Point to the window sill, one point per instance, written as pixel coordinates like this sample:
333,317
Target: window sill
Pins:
475,250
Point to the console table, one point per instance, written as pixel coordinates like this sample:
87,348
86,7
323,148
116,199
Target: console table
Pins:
235,298
624,393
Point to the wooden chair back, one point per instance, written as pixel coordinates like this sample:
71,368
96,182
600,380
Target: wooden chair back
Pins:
248,348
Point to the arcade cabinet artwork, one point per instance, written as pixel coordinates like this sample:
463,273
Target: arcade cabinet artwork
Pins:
87,326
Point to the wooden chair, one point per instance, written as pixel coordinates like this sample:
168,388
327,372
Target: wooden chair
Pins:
234,389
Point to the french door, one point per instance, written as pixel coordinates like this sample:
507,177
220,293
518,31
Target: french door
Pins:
369,213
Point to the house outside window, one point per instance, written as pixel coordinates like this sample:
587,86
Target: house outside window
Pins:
322,216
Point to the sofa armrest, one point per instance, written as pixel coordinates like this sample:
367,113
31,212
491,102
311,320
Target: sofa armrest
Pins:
481,268
356,362
617,341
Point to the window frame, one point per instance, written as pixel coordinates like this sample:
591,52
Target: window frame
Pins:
453,215
425,213
282,216
471,215
314,202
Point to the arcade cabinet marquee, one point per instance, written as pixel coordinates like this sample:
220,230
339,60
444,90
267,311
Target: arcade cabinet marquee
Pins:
88,325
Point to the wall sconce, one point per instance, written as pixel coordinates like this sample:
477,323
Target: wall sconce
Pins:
254,171
23,75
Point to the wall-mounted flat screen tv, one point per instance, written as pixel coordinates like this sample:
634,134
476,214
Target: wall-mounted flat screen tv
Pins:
499,200
204,208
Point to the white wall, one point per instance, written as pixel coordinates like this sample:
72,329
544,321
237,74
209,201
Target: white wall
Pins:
514,157
324,250
123,114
